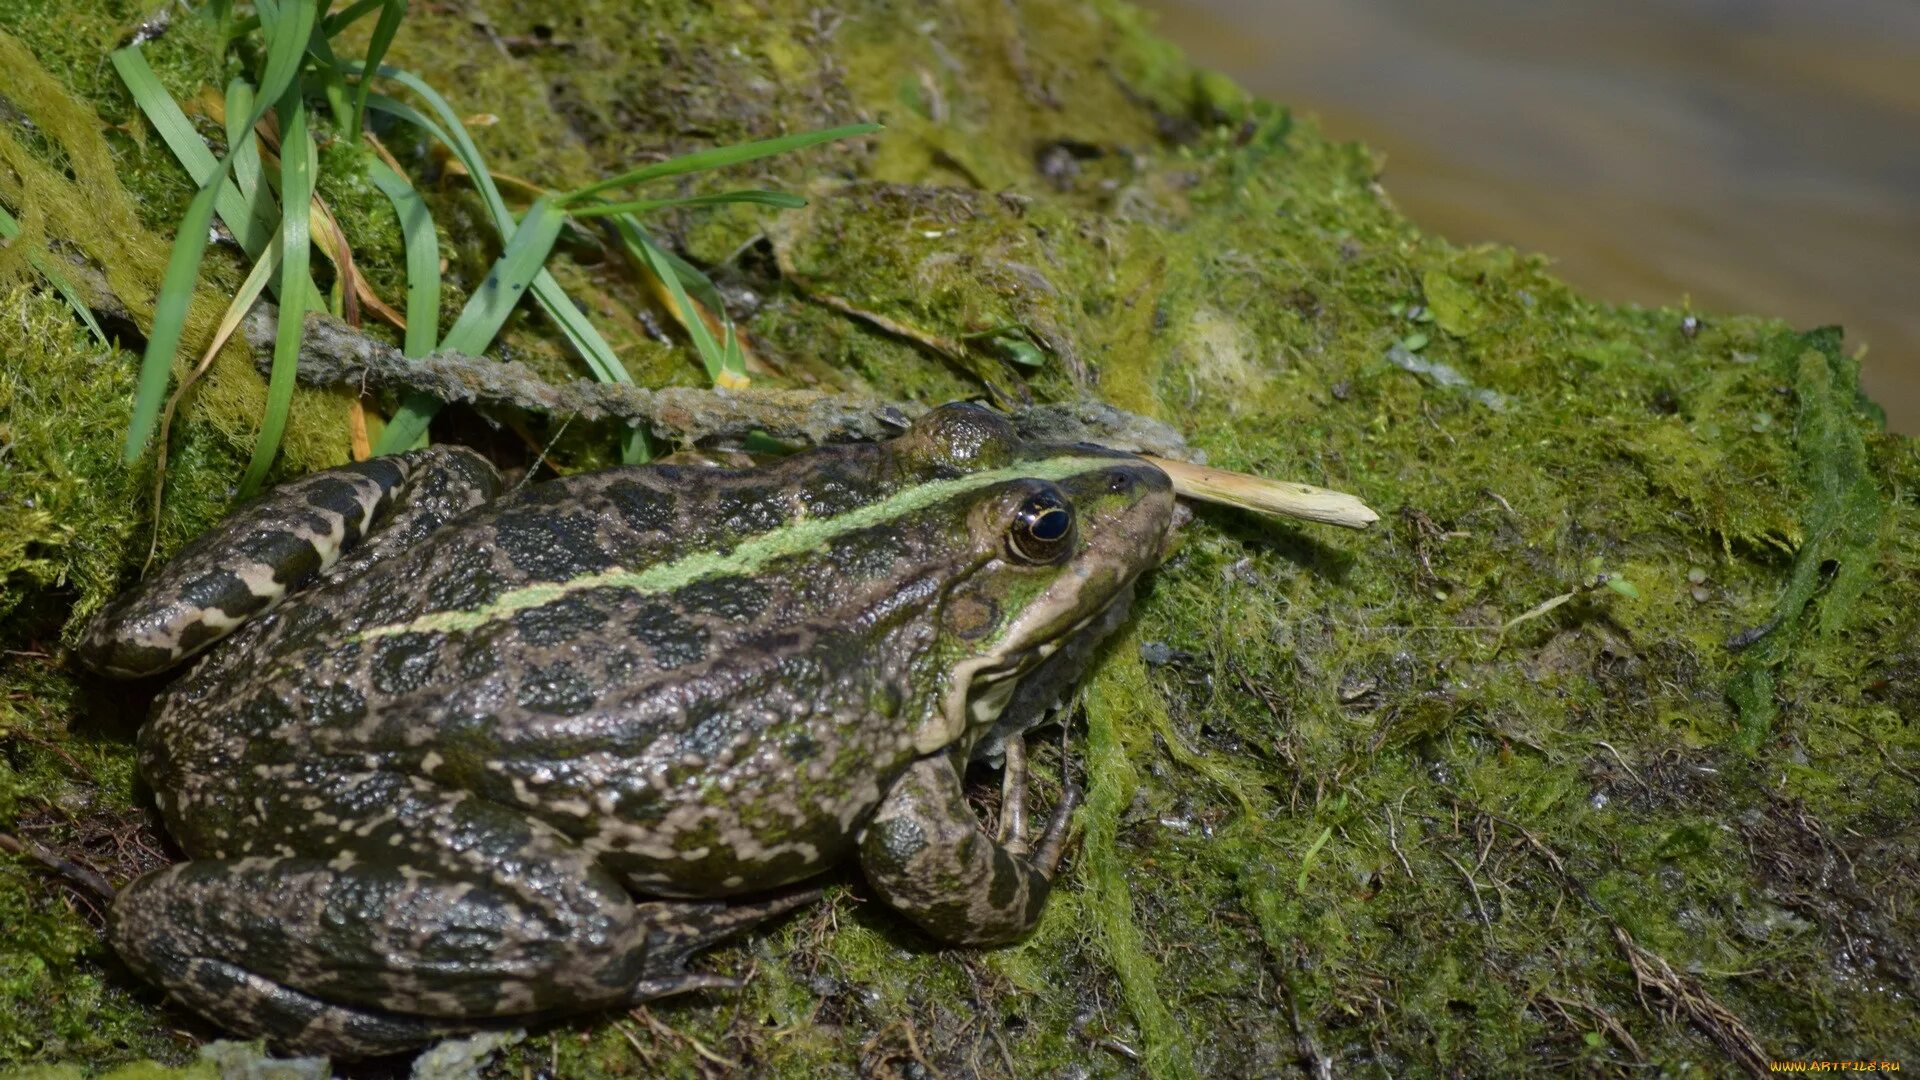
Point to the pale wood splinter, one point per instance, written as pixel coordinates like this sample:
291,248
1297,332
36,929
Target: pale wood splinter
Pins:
1265,496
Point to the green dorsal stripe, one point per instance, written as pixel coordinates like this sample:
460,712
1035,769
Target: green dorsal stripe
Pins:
795,538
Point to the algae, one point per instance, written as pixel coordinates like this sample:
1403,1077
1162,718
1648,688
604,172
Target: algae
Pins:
1338,821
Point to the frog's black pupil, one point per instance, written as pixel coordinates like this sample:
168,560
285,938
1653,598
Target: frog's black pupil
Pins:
1050,525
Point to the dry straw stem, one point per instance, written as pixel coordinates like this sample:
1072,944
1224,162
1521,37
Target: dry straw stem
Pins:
1265,496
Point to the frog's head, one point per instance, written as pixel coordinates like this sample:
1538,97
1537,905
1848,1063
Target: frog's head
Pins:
1048,537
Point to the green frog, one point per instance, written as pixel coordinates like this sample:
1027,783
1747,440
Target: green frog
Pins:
450,759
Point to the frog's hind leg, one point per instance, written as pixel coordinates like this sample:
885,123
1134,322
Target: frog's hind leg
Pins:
252,1005
926,854
476,915
275,546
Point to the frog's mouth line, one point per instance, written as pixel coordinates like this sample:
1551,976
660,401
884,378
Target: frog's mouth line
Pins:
983,687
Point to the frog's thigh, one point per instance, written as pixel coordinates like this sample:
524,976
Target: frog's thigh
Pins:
277,545
926,854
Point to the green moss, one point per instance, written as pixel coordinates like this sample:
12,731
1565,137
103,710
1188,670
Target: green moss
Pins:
1112,785
1333,811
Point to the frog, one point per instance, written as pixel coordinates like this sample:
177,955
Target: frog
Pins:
447,757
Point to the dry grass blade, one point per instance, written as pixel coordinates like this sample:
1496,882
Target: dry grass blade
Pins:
322,225
1684,996
1264,496
242,302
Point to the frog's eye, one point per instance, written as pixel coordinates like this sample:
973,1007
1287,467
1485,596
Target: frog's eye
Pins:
1042,528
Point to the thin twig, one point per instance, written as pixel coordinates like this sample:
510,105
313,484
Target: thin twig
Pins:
86,880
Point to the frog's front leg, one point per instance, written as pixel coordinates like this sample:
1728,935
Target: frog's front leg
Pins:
925,853
278,544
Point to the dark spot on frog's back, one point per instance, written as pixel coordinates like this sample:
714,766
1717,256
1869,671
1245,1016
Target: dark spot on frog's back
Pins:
1005,883
670,640
621,667
550,546
304,622
802,747
838,484
641,507
559,620
403,663
557,689
746,510
868,553
735,598
379,607
683,645
196,634
480,654
465,579
333,702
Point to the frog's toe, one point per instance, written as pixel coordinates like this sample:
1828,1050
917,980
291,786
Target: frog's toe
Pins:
676,929
687,982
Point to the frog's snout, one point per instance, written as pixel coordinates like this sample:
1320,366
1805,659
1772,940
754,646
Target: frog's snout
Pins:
1129,512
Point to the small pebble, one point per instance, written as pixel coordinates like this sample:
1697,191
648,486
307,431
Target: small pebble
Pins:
1697,576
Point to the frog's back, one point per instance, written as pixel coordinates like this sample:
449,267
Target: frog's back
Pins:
614,652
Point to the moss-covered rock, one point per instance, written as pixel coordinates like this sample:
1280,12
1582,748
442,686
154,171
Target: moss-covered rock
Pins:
1344,803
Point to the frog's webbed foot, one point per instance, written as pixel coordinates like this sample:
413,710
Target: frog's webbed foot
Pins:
676,929
925,853
277,545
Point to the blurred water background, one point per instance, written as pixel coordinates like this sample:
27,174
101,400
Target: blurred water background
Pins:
1752,155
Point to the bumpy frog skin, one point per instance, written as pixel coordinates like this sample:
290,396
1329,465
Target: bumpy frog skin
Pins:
451,760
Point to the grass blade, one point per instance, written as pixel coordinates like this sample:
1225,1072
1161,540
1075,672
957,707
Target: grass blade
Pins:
423,297
485,313
288,25
347,16
333,82
454,135
243,150
580,333
692,278
719,157
71,295
712,354
777,199
10,228
423,258
237,309
297,160
487,309
553,300
177,132
391,13
170,316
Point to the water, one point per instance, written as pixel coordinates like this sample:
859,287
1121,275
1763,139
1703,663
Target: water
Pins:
1751,155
